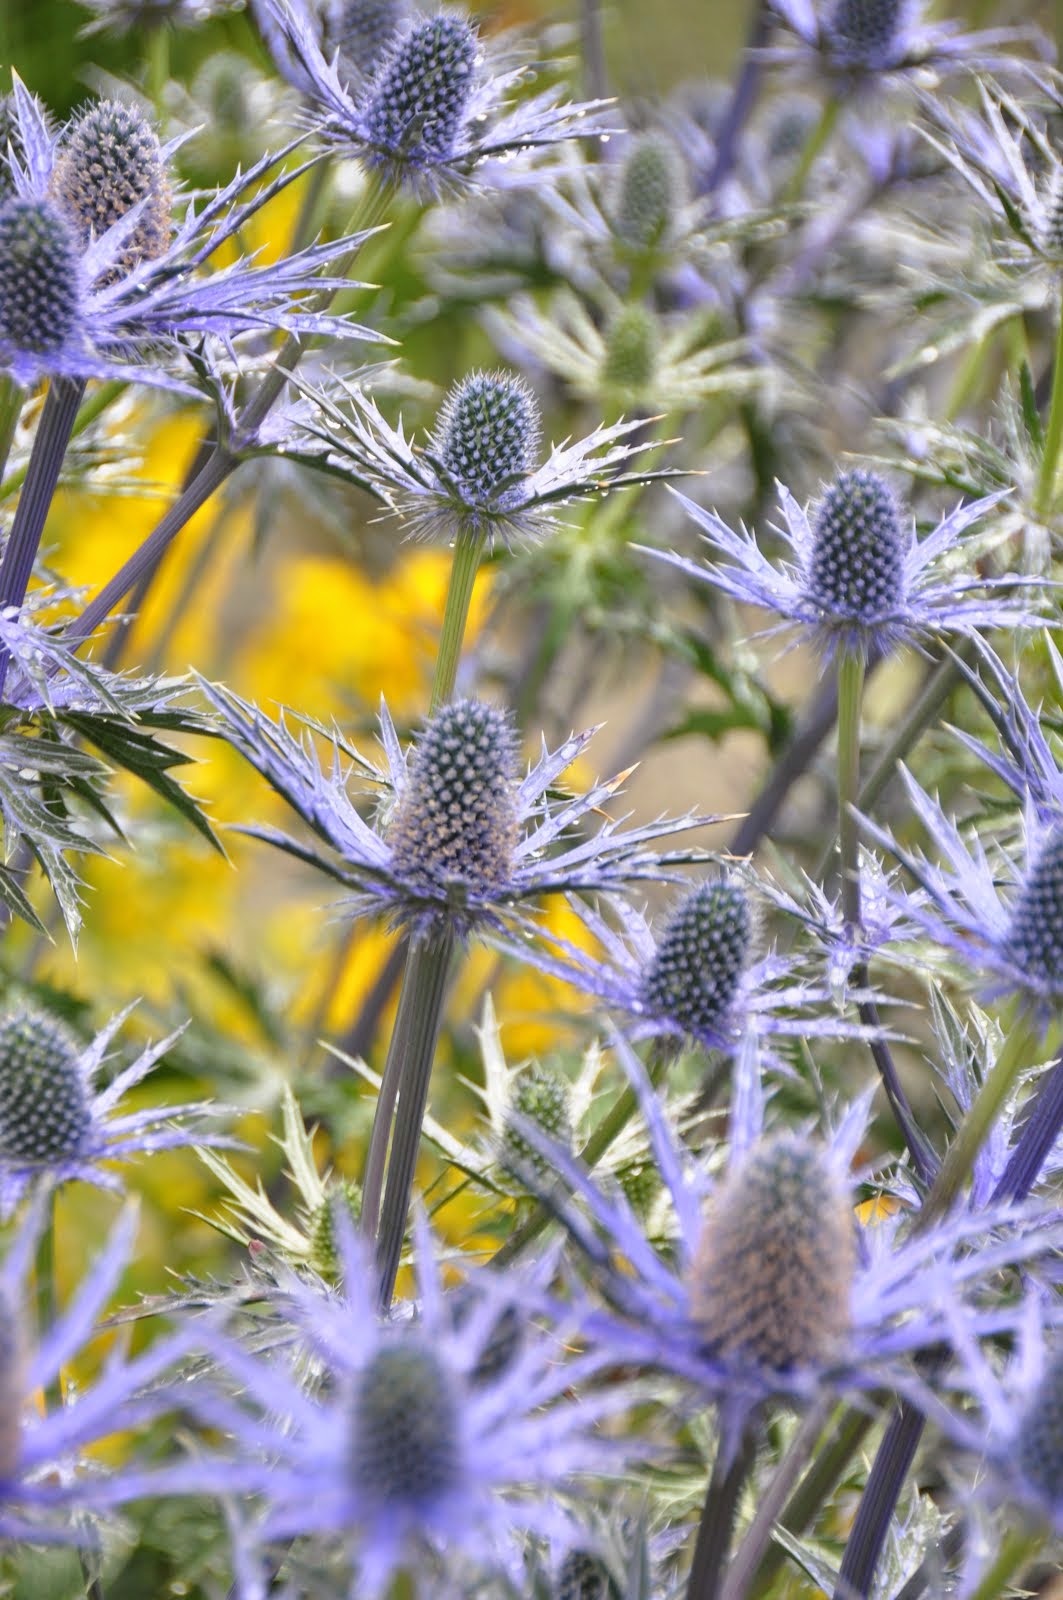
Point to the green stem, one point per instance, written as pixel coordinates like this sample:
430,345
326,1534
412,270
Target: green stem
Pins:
814,146
11,397
1015,1055
47,1299
158,54
936,689
468,549
310,206
411,1055
851,671
1046,478
1018,1547
608,1130
709,1567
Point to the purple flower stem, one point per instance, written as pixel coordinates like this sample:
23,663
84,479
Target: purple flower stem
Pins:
729,132
1041,1130
792,764
407,1075
729,1473
46,462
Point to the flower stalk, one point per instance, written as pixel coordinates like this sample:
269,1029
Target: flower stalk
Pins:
1046,477
468,549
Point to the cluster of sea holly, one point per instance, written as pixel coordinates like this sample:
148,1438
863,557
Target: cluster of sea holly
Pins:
749,1286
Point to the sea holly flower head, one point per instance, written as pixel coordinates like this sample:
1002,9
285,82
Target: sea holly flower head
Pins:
855,577
889,43
697,976
771,1286
542,1095
650,190
460,841
77,302
1000,911
479,473
415,1442
57,1127
362,32
432,111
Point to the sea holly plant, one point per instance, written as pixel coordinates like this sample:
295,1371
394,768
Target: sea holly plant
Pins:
623,1175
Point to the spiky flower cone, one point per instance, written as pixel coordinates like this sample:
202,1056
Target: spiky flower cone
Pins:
324,1256
488,434
701,955
44,1105
1039,1442
363,31
863,31
406,1437
773,1273
648,191
110,161
857,565
543,1096
419,99
1035,938
39,277
632,350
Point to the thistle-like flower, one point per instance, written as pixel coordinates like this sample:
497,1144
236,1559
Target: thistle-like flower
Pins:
76,302
773,1287
462,842
432,111
43,1495
1000,911
416,1442
698,976
859,579
889,42
57,1127
479,474
363,32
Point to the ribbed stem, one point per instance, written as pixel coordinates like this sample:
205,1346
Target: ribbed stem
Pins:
850,706
94,406
717,1520
46,461
1038,1137
414,1046
11,398
742,1568
888,1472
1046,478
468,549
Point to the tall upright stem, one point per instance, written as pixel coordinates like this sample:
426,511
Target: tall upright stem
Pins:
850,706
46,461
413,1048
1046,478
814,146
709,1567
468,549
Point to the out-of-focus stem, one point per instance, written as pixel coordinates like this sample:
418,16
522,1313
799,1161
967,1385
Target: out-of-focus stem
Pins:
1046,478
1019,1547
709,1567
592,49
729,132
468,549
747,1558
814,146
11,398
850,705
888,1472
413,1048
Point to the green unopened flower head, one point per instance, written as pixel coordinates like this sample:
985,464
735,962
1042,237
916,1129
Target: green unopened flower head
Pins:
773,1273
111,160
454,829
1039,1441
582,1576
542,1095
641,1184
44,1102
702,952
39,277
632,352
1035,938
488,434
649,191
324,1253
859,545
405,1428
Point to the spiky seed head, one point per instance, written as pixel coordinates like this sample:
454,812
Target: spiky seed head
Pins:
582,1576
488,434
111,160
632,351
649,191
363,31
405,1427
45,1112
10,142
12,1387
856,569
39,277
1034,939
702,952
324,1254
503,1342
1039,1444
641,1184
454,829
773,1271
542,1095
419,98
862,32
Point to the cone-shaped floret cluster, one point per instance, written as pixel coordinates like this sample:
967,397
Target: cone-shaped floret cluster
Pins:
1039,1444
649,191
582,1576
543,1096
111,161
488,434
862,32
420,96
405,1428
455,824
857,560
363,31
324,1251
39,277
774,1268
632,351
45,1109
702,952
1034,940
